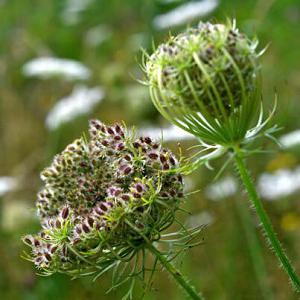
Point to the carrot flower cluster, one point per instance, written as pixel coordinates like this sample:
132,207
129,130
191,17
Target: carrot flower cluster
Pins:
103,198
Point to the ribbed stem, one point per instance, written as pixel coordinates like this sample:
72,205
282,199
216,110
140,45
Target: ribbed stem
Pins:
264,219
179,278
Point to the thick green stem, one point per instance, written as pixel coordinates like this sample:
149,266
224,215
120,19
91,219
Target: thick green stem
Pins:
264,219
180,279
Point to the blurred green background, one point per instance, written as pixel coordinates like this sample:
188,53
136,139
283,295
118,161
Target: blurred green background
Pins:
104,40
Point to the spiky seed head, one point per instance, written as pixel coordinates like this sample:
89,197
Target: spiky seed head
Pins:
206,73
94,189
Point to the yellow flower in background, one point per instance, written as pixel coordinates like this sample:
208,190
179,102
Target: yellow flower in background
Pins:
290,221
281,161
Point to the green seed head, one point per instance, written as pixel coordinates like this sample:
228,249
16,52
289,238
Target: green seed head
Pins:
209,71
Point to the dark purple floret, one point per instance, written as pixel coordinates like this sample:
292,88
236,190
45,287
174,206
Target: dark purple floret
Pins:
148,140
85,228
65,212
153,156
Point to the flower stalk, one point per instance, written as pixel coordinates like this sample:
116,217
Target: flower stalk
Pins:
264,219
169,267
176,274
255,250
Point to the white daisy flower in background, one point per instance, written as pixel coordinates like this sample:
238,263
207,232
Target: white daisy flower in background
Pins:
95,36
290,139
81,101
7,184
284,182
221,189
172,133
168,1
271,186
185,13
72,9
47,67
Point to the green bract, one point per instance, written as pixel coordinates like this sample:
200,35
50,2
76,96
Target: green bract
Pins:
205,80
104,199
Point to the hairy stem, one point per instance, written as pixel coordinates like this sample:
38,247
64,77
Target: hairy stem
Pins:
264,219
179,278
255,250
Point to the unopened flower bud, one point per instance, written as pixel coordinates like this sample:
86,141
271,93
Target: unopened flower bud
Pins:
205,80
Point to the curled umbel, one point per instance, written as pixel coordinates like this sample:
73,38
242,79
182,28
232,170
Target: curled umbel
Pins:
205,80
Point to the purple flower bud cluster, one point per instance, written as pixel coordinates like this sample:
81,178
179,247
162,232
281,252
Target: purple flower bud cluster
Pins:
103,194
46,245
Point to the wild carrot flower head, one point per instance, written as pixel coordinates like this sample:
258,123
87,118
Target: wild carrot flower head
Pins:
101,197
205,80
